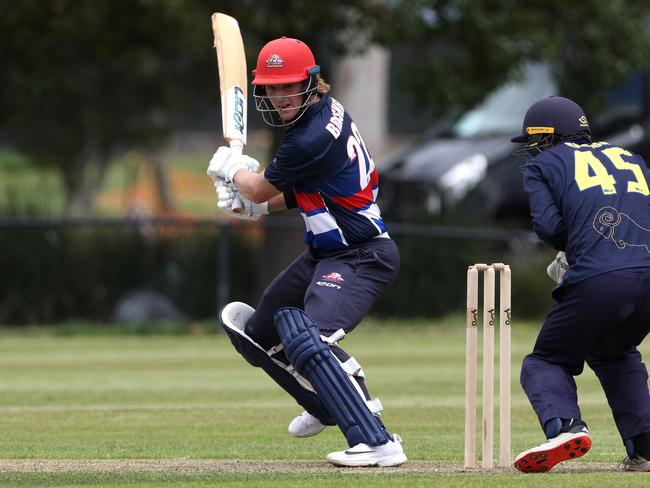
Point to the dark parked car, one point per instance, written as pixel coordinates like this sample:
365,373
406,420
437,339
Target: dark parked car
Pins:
468,166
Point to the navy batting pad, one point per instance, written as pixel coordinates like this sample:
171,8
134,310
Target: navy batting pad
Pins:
256,356
313,359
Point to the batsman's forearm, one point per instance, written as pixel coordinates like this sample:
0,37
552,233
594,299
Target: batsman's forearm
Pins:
277,203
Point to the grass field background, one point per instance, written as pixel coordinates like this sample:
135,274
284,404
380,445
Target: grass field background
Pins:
195,414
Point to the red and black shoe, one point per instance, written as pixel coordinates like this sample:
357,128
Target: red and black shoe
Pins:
567,445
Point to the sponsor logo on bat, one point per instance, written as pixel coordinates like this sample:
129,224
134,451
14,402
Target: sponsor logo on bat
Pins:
238,109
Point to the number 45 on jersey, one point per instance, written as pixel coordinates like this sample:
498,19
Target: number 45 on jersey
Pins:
590,171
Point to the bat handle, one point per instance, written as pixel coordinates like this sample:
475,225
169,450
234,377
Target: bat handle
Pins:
237,205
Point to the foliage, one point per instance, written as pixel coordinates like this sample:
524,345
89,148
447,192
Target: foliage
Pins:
59,273
469,47
25,190
62,272
440,287
82,80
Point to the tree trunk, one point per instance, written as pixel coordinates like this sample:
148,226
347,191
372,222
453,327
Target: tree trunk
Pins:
163,186
82,183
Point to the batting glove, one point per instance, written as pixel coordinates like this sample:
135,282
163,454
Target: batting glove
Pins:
224,164
226,193
252,164
250,210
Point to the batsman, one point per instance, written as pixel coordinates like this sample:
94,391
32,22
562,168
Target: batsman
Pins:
324,169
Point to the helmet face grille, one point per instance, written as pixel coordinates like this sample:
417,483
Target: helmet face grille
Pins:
539,142
536,144
264,105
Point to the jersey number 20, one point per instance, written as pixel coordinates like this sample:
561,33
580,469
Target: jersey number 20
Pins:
590,172
357,149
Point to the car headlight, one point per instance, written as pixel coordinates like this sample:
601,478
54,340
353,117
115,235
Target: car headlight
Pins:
464,176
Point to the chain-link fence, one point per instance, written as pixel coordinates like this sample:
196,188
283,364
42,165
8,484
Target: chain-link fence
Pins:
116,270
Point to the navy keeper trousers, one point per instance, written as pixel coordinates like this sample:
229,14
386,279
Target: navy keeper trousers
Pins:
600,320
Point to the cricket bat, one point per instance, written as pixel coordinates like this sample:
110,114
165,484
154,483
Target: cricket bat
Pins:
233,84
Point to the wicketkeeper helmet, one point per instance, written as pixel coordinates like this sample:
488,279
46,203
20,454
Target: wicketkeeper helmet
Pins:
556,116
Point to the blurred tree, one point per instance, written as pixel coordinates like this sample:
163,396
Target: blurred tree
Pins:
465,48
83,79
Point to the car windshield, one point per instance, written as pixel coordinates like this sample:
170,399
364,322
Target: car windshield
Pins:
502,111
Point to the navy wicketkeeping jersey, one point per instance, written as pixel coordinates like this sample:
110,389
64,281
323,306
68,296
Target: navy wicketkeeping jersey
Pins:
326,164
591,200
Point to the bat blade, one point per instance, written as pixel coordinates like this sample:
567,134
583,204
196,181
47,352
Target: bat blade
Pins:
233,83
232,76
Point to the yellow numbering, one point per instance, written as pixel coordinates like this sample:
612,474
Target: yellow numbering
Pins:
590,172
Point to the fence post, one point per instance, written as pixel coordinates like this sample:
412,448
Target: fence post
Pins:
223,265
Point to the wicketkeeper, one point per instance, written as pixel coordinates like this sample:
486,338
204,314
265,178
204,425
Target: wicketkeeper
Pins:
591,201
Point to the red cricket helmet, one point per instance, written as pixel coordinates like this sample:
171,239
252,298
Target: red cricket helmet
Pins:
284,60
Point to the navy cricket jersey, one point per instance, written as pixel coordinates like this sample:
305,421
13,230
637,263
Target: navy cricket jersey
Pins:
591,200
324,161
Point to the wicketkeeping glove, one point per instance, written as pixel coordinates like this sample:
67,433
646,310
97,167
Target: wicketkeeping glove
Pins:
558,267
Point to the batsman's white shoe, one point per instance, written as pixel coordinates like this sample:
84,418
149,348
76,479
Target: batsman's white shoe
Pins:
567,445
389,454
305,425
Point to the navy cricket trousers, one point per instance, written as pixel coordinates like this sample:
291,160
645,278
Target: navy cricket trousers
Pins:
335,289
600,320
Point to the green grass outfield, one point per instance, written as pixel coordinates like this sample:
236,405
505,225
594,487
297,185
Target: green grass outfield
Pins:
186,410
